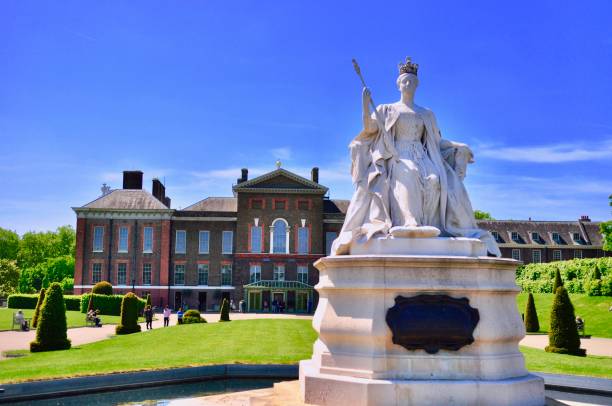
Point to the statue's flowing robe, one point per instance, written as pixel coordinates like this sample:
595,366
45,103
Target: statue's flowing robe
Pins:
368,213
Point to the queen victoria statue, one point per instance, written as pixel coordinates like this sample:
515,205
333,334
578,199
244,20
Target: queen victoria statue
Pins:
408,179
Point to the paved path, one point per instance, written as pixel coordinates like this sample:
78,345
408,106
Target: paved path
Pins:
594,345
20,340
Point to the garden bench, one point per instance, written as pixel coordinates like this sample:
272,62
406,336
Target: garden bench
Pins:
580,327
89,322
18,324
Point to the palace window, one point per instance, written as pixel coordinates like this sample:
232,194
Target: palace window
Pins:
146,274
123,239
147,241
202,274
254,273
279,272
303,204
256,239
121,273
98,242
303,240
515,237
280,236
330,236
227,242
226,275
556,255
204,238
302,273
181,242
496,236
516,254
536,238
280,204
577,238
96,273
256,203
557,238
179,274
578,254
536,256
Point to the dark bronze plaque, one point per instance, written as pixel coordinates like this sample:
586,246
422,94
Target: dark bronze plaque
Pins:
432,322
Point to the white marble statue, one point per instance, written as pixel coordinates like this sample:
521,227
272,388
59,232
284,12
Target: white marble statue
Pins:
409,181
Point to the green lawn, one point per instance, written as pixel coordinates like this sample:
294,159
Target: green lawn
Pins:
260,341
74,318
593,309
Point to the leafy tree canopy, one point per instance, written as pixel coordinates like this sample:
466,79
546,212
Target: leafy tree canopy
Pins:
36,247
9,244
9,277
482,215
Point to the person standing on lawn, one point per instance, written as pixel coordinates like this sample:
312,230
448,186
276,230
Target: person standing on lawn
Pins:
148,313
179,316
167,313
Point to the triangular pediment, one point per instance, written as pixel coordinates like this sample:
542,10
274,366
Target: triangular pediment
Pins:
281,181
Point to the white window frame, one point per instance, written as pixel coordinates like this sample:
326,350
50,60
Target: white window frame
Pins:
95,280
578,254
256,231
145,271
272,242
557,256
536,253
123,239
176,268
146,250
303,246
201,240
201,272
556,240
301,271
513,238
254,273
495,235
516,254
100,247
577,237
224,248
119,265
182,249
226,267
279,272
535,236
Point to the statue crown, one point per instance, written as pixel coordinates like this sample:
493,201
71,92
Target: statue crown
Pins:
408,67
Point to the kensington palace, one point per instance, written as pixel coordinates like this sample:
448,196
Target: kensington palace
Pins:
257,246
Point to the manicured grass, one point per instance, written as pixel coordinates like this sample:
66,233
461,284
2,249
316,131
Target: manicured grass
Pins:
591,365
592,309
260,341
73,318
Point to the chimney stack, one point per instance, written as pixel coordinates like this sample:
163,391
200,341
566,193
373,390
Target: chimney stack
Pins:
132,180
159,190
167,201
244,177
585,218
315,174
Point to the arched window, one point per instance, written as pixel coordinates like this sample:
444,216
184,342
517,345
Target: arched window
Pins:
280,236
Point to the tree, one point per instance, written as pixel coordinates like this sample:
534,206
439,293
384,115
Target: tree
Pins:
558,281
35,248
31,279
563,334
41,299
129,315
605,229
224,311
9,244
51,331
57,269
482,215
9,277
532,324
102,288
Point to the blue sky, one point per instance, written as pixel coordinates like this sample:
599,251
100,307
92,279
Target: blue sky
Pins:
193,91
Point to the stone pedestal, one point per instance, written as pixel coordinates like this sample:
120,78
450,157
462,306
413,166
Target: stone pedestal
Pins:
355,361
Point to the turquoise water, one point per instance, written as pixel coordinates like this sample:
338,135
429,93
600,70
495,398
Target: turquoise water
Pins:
159,395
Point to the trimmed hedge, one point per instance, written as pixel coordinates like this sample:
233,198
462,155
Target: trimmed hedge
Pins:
41,299
22,301
224,311
192,316
102,288
532,324
51,332
129,315
592,276
563,334
73,302
108,305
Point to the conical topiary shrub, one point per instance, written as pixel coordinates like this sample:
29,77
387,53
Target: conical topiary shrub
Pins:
563,334
51,331
102,288
149,300
224,311
558,281
90,305
532,324
129,315
41,298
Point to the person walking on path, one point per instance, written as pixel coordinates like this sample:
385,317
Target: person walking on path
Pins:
167,313
148,313
179,316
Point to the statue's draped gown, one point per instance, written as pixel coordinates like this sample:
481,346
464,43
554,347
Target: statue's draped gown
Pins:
402,177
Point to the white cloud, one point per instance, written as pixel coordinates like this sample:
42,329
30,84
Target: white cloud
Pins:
557,153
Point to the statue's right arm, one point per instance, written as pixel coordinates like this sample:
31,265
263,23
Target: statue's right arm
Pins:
369,124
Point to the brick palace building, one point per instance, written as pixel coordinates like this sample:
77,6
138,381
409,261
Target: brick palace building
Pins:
257,246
